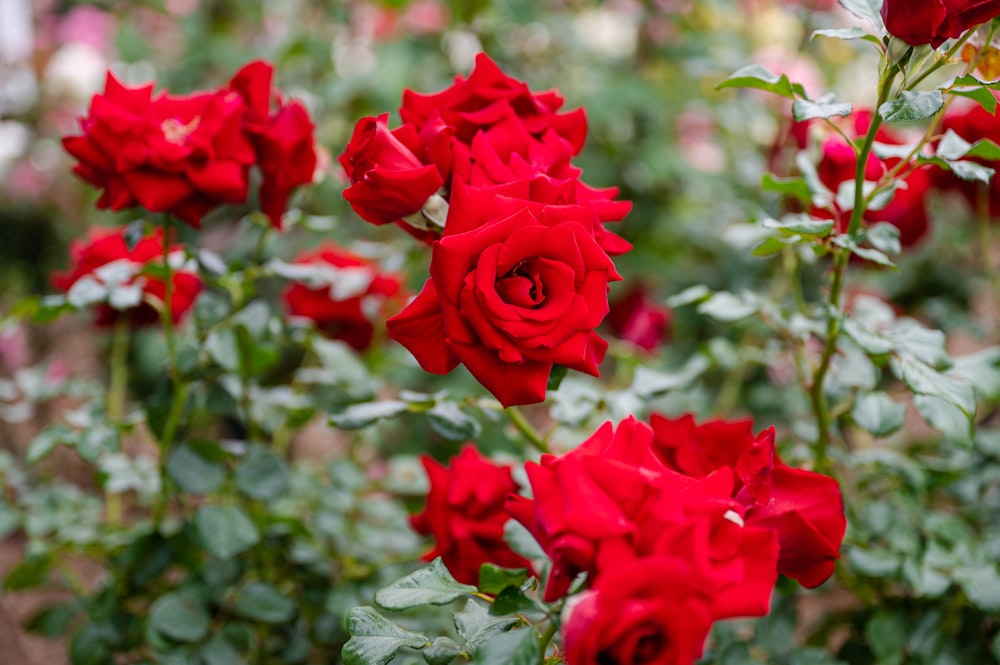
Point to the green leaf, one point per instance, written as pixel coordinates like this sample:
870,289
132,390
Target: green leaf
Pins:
517,647
874,563
225,530
217,651
442,651
984,149
357,416
222,348
54,621
475,624
762,78
512,600
692,294
727,307
886,636
93,645
982,370
839,33
648,382
31,572
179,616
946,418
884,237
47,441
924,380
801,225
375,639
981,96
262,602
872,255
452,423
972,171
796,187
263,475
431,585
911,105
878,414
982,586
192,472
869,10
493,579
803,109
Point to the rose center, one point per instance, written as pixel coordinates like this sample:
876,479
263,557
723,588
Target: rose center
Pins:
176,132
521,286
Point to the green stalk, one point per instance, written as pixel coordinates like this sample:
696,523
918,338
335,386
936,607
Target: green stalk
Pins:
117,389
524,427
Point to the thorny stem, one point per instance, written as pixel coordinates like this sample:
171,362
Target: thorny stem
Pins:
545,638
526,428
116,400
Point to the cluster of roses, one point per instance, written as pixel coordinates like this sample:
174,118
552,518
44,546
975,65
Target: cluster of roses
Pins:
676,525
521,262
185,156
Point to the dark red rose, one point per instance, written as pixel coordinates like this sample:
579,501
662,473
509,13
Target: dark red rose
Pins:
933,21
611,501
179,155
388,180
973,123
644,613
106,273
908,209
516,287
465,514
637,319
282,139
804,508
342,294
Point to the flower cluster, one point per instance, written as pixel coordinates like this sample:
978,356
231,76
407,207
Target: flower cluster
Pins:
108,274
340,293
521,257
186,155
676,526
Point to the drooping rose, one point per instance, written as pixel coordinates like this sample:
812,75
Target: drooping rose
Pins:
388,181
282,139
907,210
105,273
933,21
804,508
648,611
343,294
465,514
179,155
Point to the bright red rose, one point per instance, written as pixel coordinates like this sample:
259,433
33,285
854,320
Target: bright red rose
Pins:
179,155
973,123
908,209
637,319
805,509
106,273
465,514
388,180
282,140
933,21
341,293
611,501
647,612
516,287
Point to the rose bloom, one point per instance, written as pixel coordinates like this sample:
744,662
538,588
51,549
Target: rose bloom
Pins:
637,319
804,508
515,288
933,21
177,155
648,611
611,501
102,262
282,139
908,209
465,514
973,123
342,294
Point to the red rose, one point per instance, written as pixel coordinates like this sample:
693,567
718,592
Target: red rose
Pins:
933,21
465,514
106,273
646,612
611,501
388,181
282,141
637,319
805,509
908,209
973,123
516,287
179,155
341,293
